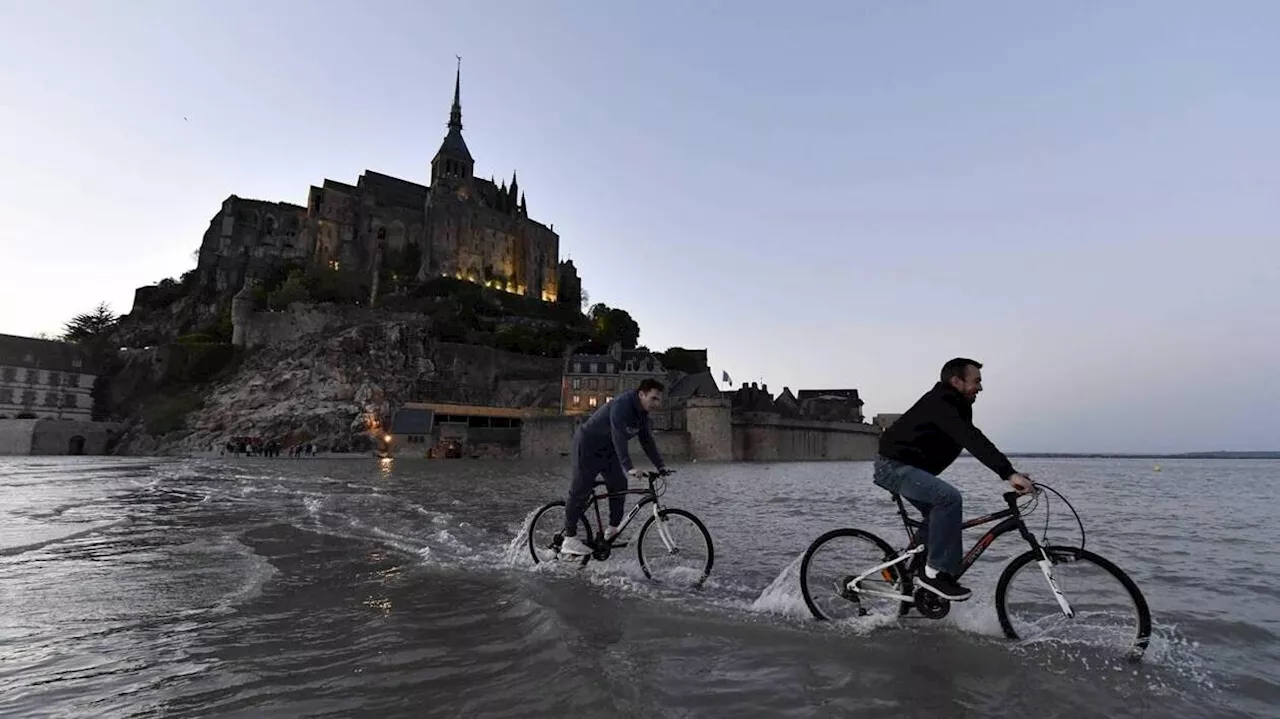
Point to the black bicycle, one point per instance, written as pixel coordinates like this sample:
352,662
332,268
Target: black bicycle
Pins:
678,543
881,581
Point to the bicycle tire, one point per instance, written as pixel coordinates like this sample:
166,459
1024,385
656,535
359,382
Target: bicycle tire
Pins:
889,553
1142,637
582,523
711,550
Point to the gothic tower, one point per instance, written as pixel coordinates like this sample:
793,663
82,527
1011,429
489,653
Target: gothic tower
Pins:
453,162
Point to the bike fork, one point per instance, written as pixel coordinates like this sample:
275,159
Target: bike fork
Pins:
663,532
1046,568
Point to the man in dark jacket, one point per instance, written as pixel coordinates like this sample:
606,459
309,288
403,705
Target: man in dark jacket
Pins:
919,446
600,447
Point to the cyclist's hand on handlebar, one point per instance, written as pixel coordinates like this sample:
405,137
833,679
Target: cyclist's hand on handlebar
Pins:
1021,483
665,471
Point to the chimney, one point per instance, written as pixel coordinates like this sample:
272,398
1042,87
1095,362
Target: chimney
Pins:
764,388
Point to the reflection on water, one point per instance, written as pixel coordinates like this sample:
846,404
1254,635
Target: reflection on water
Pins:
365,587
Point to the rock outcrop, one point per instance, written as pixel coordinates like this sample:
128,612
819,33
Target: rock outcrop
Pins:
332,379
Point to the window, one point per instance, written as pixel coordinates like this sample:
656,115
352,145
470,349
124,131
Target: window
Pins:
69,400
577,367
334,265
10,374
591,401
577,383
593,367
6,395
33,376
577,401
77,362
55,379
593,383
28,398
609,368
611,383
71,380
51,399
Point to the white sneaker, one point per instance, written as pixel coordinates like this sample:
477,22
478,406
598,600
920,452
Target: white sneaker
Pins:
573,545
610,533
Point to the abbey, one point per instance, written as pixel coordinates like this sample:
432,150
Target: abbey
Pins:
458,226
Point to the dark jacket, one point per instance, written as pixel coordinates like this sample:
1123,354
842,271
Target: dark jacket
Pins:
612,426
931,434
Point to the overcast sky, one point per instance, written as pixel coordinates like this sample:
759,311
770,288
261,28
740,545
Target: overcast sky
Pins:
1083,196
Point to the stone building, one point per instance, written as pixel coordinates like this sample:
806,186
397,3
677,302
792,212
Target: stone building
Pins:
458,226
592,380
832,405
885,420
44,379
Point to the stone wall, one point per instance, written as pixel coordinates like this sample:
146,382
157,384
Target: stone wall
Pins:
15,436
767,437
708,423
474,374
281,329
55,437
553,437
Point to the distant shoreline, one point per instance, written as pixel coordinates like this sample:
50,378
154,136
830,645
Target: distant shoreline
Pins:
1109,455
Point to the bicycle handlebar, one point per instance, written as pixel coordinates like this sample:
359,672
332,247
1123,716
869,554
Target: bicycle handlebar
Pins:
1011,498
657,473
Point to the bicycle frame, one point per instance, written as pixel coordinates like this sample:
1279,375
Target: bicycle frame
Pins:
1012,521
648,496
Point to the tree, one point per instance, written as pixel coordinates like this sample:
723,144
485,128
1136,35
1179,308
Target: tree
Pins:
90,326
610,324
294,289
683,360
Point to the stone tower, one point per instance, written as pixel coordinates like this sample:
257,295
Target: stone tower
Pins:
242,312
453,164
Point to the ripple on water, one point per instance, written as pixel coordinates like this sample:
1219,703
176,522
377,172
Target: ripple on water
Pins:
287,587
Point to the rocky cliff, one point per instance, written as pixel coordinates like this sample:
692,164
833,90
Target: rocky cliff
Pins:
329,376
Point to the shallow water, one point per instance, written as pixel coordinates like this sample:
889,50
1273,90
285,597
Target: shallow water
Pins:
284,587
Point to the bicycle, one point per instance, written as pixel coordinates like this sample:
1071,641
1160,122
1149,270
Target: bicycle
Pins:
602,548
854,590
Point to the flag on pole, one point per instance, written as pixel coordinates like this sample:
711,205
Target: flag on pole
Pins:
725,376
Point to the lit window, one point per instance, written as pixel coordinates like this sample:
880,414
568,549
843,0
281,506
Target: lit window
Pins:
608,399
577,383
577,367
333,264
577,400
591,401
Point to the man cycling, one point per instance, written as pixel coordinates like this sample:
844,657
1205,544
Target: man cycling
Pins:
920,445
600,447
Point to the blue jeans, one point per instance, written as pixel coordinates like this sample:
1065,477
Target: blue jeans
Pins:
940,503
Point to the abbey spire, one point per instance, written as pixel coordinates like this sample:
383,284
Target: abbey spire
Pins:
453,160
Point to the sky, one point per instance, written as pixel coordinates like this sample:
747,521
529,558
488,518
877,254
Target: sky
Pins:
1085,197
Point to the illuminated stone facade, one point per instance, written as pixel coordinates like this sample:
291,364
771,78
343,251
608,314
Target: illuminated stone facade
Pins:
458,226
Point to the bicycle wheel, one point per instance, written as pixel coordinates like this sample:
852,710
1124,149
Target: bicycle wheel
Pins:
683,556
547,530
1108,607
835,559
